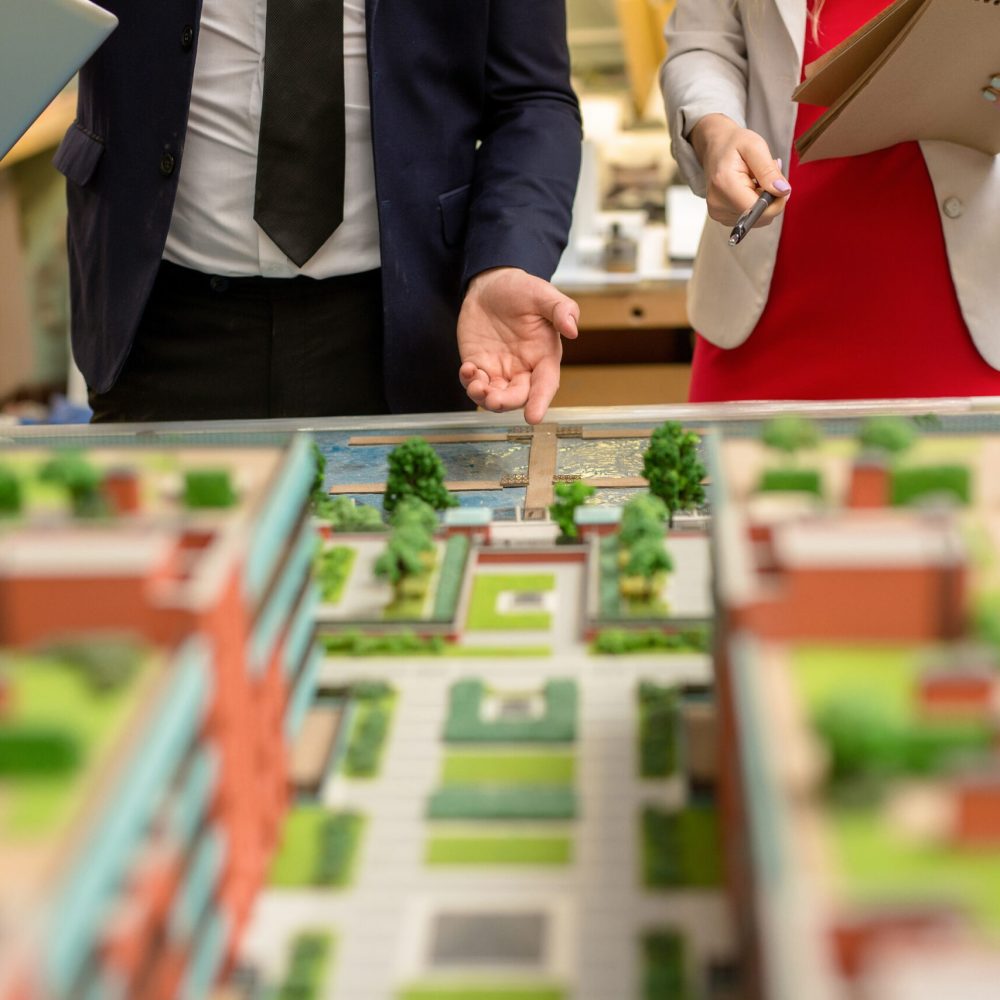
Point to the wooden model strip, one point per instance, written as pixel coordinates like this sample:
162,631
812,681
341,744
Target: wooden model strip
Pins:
456,486
593,434
362,441
541,466
614,482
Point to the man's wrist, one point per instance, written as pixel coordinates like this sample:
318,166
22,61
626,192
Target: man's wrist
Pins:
478,282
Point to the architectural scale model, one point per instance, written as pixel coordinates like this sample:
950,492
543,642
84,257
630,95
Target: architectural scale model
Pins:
156,662
859,646
503,779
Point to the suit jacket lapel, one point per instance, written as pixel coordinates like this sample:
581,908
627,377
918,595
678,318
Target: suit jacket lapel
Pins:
793,13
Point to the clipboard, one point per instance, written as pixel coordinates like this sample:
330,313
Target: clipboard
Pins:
916,71
42,44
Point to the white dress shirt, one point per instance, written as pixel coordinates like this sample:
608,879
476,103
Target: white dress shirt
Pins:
212,229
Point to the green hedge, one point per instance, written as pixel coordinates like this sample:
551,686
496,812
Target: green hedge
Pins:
208,488
33,750
449,590
364,753
503,802
307,967
619,641
557,725
800,480
11,494
663,972
608,593
354,643
911,484
337,847
332,568
681,849
659,710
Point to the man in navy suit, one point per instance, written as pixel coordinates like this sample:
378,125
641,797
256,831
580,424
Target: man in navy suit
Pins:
460,157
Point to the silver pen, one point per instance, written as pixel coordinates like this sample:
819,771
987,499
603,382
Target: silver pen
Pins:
749,218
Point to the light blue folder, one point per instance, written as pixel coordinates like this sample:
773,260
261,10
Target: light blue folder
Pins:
42,44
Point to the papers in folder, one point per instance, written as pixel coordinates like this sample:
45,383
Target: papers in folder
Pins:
916,71
42,44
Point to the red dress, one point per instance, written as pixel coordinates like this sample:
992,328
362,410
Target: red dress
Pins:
862,303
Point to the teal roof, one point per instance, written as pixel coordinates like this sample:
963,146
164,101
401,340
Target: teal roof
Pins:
597,515
467,517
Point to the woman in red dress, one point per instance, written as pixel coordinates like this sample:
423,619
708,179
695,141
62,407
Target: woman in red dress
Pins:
861,301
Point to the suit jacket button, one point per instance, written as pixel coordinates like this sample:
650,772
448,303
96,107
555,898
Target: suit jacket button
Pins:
187,37
953,207
167,164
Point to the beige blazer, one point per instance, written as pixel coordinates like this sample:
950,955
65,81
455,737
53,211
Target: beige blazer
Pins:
743,58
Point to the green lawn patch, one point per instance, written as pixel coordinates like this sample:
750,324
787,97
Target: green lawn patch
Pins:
659,715
466,725
884,674
508,849
83,712
878,865
499,652
318,848
681,849
503,802
373,706
308,966
486,590
481,991
332,568
508,768
914,483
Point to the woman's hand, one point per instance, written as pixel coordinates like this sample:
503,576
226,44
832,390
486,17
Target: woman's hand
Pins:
738,166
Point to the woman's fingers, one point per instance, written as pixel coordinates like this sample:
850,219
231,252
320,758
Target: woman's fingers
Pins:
739,174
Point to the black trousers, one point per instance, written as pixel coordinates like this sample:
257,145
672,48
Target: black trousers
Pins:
215,348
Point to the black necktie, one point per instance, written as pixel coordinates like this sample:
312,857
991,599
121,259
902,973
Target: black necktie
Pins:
299,200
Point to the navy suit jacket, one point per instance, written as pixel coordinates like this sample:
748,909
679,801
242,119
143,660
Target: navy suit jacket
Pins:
476,135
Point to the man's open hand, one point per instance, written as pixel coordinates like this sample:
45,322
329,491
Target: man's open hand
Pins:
509,339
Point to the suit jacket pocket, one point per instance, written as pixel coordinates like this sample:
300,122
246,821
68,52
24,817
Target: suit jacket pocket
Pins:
454,206
78,154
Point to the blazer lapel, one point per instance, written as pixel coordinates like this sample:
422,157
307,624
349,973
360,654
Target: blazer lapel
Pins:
793,13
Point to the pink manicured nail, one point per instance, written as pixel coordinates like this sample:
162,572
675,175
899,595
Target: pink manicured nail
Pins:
783,186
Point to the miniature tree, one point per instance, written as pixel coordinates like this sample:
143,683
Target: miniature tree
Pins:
319,474
402,565
412,510
569,496
208,488
344,514
673,470
643,573
790,434
643,515
889,435
415,470
79,478
11,497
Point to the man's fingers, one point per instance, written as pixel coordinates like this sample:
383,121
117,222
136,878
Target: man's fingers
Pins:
565,317
544,384
467,373
509,396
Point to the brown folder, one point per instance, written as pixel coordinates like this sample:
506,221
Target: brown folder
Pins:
916,71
